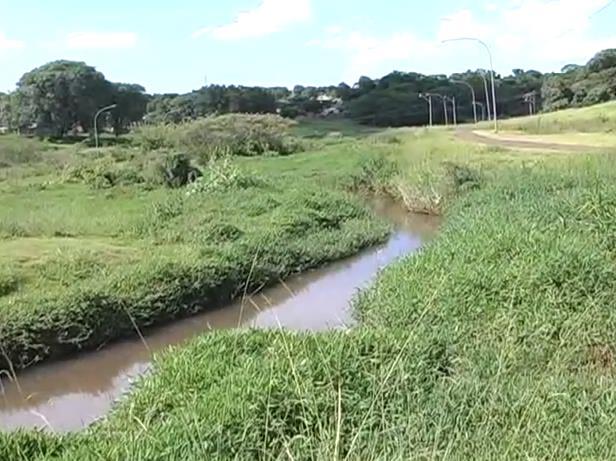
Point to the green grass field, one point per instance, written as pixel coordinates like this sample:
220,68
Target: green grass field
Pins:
495,342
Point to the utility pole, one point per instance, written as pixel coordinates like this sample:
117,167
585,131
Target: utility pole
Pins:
428,97
531,100
104,109
483,109
445,109
462,82
485,85
454,111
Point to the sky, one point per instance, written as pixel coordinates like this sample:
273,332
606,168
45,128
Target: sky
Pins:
181,45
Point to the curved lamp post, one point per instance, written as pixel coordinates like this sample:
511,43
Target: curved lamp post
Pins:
473,39
462,82
104,109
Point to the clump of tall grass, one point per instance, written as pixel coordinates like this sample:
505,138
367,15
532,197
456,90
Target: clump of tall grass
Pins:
222,175
17,150
9,282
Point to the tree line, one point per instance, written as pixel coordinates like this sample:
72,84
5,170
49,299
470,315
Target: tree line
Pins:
62,97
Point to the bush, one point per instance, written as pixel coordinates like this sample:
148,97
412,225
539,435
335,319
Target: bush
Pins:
237,134
177,171
103,173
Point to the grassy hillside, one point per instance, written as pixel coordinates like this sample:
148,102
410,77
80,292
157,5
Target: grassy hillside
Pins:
496,342
600,118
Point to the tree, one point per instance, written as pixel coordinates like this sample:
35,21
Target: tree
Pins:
603,60
62,94
5,107
131,101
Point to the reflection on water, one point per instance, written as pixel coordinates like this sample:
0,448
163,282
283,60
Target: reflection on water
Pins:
71,394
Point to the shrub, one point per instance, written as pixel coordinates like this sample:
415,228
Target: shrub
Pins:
177,171
103,173
237,134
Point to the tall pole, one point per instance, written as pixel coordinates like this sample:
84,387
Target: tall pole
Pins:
428,97
455,110
104,109
462,82
487,48
485,85
445,110
483,110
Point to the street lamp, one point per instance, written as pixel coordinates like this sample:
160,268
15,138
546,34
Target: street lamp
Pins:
491,74
104,109
462,82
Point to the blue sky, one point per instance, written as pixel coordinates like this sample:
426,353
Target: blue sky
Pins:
177,46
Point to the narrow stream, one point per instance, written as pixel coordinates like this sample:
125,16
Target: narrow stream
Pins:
71,394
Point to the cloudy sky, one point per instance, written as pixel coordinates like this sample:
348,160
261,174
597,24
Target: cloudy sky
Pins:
177,46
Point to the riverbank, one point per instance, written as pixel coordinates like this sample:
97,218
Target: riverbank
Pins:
83,266
496,342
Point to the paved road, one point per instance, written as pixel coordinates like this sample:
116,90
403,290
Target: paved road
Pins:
468,135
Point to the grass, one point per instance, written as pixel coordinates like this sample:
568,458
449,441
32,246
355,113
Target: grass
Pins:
496,342
600,118
584,139
82,260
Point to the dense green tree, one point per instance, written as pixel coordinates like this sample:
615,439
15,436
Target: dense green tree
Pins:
62,94
131,100
603,60
580,86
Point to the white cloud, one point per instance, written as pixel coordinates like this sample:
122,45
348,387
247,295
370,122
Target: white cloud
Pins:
369,55
546,32
10,44
269,17
540,34
101,40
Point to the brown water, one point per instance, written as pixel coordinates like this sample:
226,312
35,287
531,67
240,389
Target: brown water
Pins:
71,394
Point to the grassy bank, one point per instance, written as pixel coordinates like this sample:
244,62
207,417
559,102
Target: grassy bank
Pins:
600,118
496,342
90,247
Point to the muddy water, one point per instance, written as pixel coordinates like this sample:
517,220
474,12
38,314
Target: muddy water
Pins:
71,394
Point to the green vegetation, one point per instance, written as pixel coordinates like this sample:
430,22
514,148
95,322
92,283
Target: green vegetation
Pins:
61,98
596,119
214,137
98,243
497,342
578,86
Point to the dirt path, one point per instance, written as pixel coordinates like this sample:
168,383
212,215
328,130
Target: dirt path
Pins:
471,136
